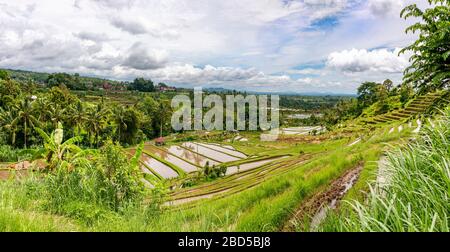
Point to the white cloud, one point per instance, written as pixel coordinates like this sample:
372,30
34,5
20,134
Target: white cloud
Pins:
306,71
355,60
141,58
240,43
385,7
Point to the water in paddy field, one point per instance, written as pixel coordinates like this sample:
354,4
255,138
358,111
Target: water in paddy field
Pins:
249,166
225,150
303,116
185,166
213,154
160,168
301,130
223,146
192,157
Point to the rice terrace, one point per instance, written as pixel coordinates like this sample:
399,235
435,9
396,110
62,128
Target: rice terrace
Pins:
105,129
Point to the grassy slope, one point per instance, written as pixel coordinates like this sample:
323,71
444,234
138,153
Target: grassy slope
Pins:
262,208
417,196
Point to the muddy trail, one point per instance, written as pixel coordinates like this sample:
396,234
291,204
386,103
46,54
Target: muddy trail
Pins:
314,209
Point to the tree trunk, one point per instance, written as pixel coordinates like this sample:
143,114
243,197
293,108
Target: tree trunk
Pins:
25,134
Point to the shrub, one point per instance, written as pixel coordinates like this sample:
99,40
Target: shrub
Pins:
8,154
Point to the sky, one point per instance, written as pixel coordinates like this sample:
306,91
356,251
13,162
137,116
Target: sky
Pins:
325,46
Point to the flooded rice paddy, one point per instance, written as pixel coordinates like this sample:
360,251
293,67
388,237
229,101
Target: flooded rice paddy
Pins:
210,153
185,166
249,166
160,168
225,150
190,156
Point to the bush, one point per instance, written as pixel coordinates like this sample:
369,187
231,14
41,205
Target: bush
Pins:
106,181
8,154
121,179
214,171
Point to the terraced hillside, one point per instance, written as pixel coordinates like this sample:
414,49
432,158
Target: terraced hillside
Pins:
419,105
160,164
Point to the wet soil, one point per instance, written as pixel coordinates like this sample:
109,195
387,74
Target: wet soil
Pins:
315,208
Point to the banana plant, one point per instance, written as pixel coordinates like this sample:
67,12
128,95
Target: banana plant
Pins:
59,154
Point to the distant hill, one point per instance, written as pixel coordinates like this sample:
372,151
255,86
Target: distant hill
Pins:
41,77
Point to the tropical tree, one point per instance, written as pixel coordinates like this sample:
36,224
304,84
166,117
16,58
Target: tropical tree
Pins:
118,116
59,154
44,106
95,121
77,117
4,75
367,93
388,85
9,90
25,117
430,62
57,115
7,124
162,114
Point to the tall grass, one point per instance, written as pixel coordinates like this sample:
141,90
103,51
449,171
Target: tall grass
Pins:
416,197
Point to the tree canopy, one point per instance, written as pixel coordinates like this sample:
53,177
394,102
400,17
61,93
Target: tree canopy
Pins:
430,61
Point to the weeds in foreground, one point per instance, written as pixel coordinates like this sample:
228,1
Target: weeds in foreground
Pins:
416,197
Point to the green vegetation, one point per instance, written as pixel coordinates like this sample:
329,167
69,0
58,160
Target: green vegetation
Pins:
430,68
64,165
415,197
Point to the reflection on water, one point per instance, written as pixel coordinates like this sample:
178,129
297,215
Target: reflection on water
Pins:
185,166
249,166
160,168
225,150
191,156
216,155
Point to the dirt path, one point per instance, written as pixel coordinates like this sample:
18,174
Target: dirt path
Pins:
316,207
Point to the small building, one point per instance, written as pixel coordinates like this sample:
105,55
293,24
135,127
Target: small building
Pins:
166,89
159,141
106,86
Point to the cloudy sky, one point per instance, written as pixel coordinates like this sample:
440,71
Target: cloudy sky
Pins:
260,45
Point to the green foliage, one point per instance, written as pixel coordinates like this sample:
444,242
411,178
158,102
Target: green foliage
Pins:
213,172
71,82
406,92
122,178
430,68
8,154
142,85
87,188
4,75
128,122
416,196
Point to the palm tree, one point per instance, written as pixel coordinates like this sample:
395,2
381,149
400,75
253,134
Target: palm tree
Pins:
57,114
78,117
163,112
7,124
44,107
95,121
119,117
25,116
